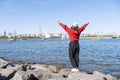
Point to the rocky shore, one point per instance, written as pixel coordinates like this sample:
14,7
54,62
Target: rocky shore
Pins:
10,70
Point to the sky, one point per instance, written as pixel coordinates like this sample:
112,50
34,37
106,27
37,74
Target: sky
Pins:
33,16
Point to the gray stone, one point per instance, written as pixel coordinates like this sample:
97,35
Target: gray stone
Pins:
45,72
83,76
65,72
32,77
6,72
11,75
2,62
2,77
53,68
58,79
39,67
17,76
8,65
108,77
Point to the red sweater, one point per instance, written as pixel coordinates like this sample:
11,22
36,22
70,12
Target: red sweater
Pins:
73,34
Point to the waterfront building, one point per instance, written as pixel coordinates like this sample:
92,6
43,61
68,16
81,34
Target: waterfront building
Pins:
48,35
4,34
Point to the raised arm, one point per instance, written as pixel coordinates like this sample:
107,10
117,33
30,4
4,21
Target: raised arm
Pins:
65,27
83,27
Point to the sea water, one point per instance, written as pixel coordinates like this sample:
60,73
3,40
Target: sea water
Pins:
101,55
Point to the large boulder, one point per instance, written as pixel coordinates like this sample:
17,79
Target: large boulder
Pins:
106,77
17,76
2,62
82,76
6,72
20,75
53,68
39,67
95,76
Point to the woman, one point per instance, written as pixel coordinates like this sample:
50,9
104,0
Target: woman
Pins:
74,36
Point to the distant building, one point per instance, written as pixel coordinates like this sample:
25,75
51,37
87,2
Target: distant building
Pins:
47,35
4,34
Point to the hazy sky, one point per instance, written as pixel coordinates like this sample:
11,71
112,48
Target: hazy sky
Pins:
26,16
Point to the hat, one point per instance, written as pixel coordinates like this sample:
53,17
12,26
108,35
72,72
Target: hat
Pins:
75,24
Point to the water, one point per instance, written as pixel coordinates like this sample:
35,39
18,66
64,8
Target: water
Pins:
102,55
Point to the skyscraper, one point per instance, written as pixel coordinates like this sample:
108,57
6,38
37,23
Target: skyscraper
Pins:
4,34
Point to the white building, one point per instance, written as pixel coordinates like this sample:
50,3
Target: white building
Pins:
47,35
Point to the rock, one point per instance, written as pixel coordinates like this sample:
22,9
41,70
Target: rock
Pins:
65,72
53,68
22,75
82,76
22,71
42,75
6,72
46,76
17,76
58,79
65,76
2,77
8,65
17,67
32,77
24,68
105,77
2,62
39,67
11,75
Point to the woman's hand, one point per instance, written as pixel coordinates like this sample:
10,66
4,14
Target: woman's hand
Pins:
58,22
88,23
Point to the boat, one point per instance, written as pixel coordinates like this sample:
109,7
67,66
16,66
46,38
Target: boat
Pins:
12,39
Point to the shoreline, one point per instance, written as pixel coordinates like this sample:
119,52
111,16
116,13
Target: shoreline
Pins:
15,70
82,37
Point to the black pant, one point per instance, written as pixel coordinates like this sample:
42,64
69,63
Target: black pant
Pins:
74,54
